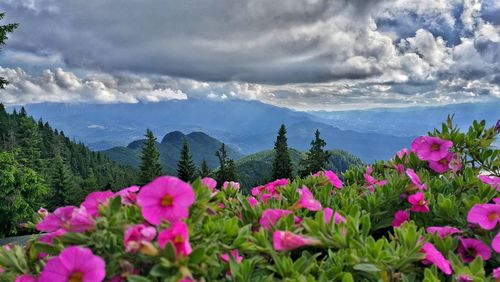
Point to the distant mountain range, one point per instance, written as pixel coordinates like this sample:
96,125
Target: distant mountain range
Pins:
201,146
251,126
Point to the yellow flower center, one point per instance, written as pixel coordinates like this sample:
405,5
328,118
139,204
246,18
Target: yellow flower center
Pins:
435,147
492,216
178,239
76,277
443,161
421,202
167,201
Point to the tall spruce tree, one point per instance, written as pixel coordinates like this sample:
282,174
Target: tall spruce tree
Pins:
317,158
204,169
227,169
60,184
150,167
30,142
282,164
185,166
4,31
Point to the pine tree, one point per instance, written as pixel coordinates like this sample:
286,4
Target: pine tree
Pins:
30,142
282,164
204,169
317,158
4,30
60,184
185,167
227,168
150,159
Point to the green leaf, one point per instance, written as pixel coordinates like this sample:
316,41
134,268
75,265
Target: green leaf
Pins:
137,278
197,255
366,267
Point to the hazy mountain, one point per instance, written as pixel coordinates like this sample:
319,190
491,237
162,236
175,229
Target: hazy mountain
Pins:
201,145
256,168
251,126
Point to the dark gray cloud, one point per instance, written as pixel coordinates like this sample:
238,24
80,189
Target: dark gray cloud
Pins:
300,53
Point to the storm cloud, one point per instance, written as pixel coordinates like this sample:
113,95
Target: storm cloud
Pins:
299,54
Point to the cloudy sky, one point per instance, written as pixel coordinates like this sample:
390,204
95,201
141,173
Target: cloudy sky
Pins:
302,54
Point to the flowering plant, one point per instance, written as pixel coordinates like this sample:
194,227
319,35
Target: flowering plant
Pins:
427,214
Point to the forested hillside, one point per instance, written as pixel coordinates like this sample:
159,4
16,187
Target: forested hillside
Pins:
41,167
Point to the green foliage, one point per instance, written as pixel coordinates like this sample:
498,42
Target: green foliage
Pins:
4,31
204,170
150,159
227,167
282,163
317,158
185,167
22,191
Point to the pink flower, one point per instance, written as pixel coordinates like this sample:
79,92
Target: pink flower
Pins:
74,264
495,243
286,241
331,176
464,278
400,168
442,165
136,236
270,217
399,218
415,179
431,148
25,278
233,254
69,218
48,238
166,198
128,194
271,186
469,249
95,199
209,182
486,215
403,152
455,163
418,203
443,231
252,201
268,196
494,181
496,201
256,191
178,236
496,273
42,212
432,255
231,184
307,200
371,182
327,214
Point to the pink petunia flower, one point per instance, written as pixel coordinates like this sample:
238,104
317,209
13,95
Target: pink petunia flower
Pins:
455,164
48,238
494,181
271,187
25,278
464,278
431,148
496,273
442,165
270,217
328,213
418,203
415,180
331,176
469,249
371,182
400,168
432,255
486,215
136,236
232,254
74,264
42,212
69,218
399,218
231,184
256,191
178,236
495,243
166,198
95,199
286,241
128,195
443,231
210,183
268,196
403,152
252,201
307,200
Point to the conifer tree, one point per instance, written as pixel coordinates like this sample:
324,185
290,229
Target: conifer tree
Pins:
282,164
60,184
150,166
204,169
4,30
29,140
185,167
227,168
317,158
